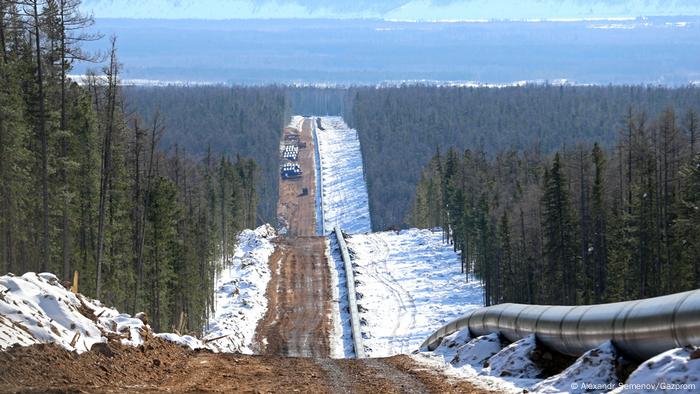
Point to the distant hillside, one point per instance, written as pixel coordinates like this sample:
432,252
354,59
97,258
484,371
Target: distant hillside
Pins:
652,50
389,9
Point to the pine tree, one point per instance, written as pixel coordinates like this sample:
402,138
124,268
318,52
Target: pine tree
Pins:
599,219
560,242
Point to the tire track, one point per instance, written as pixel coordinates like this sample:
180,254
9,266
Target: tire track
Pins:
404,300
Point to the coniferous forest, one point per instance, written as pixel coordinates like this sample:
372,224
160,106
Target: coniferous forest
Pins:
401,127
553,194
89,186
589,223
246,121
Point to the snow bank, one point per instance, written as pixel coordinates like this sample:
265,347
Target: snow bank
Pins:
240,300
408,284
36,308
514,360
345,200
483,362
450,344
677,371
477,351
467,372
595,368
184,340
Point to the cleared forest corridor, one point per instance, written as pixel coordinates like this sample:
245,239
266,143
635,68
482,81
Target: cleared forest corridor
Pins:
298,318
294,339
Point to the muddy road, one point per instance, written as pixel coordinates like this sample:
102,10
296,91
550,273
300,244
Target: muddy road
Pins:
298,318
158,366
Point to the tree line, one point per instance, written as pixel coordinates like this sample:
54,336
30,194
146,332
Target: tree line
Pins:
399,127
226,120
590,223
87,185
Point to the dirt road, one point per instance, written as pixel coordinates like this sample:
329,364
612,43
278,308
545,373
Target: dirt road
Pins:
295,208
298,320
164,367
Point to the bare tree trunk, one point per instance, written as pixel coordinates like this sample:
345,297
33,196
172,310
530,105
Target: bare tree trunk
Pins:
2,31
44,265
155,136
584,224
64,147
224,253
5,221
630,130
106,161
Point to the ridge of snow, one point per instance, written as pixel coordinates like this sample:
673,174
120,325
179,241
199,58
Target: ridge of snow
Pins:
514,360
507,370
595,367
450,345
240,300
345,200
36,308
477,351
676,370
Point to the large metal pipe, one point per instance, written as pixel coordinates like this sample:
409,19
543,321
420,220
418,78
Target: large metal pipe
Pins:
352,299
641,329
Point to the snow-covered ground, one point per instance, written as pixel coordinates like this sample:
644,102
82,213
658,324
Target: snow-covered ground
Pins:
345,199
674,371
36,308
486,363
240,292
408,284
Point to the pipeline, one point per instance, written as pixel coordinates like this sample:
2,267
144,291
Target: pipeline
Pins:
641,329
321,228
352,300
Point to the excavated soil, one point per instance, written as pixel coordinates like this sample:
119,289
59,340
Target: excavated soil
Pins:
298,318
159,366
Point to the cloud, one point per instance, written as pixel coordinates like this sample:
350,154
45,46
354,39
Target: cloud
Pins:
391,9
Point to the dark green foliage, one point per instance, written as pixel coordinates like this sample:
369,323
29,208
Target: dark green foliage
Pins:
227,120
167,219
400,127
593,225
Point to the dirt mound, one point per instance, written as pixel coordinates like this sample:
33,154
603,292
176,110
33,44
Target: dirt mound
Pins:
49,366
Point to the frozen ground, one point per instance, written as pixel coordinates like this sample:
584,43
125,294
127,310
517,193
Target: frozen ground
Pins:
345,199
36,308
240,292
408,284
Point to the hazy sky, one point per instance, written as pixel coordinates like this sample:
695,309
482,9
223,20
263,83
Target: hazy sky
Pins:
390,9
